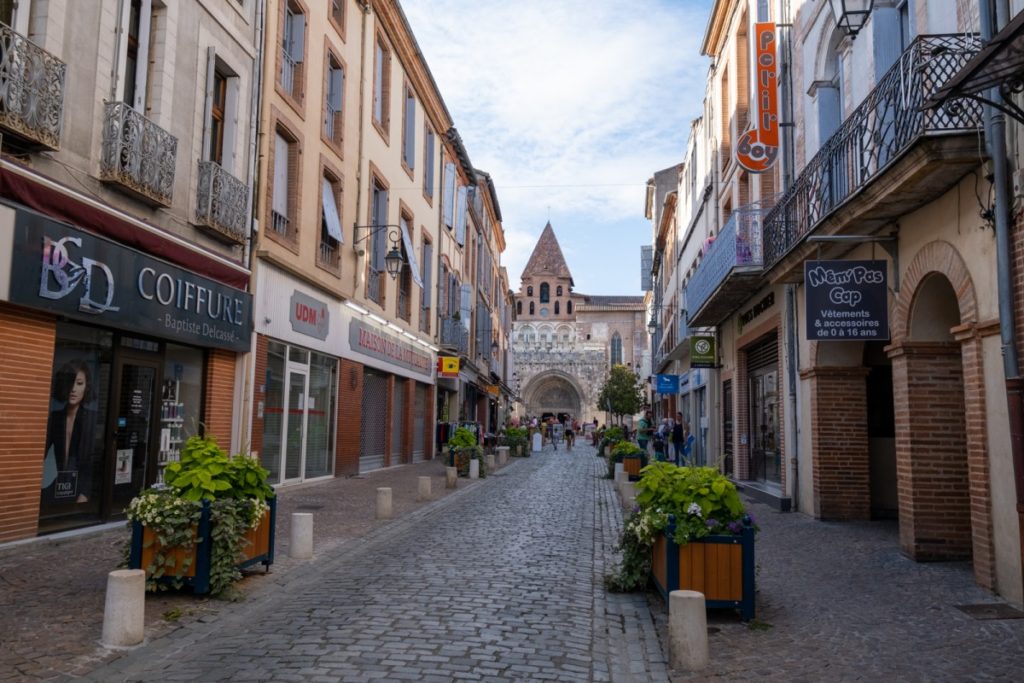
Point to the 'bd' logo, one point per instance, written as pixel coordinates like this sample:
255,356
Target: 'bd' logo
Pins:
702,346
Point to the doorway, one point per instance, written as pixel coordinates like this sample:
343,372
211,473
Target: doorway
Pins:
131,447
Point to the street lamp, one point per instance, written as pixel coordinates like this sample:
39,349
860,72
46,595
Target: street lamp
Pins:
652,326
851,15
393,260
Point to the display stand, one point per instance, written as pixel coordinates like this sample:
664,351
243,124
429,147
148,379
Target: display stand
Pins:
172,423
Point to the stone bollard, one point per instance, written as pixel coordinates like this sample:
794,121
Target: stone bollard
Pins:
424,492
687,631
474,468
301,544
502,455
490,462
451,477
619,467
384,502
124,613
628,495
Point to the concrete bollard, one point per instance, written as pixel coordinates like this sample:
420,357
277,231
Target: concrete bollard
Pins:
474,468
628,495
301,545
124,613
687,631
451,477
384,502
490,462
502,455
619,467
424,492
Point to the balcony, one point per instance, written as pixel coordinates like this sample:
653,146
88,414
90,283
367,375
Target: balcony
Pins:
138,155
730,271
888,158
221,202
31,91
454,335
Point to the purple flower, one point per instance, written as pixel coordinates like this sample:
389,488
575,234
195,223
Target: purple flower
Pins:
712,523
735,527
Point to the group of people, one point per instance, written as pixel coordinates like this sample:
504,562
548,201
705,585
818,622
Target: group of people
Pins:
669,433
555,430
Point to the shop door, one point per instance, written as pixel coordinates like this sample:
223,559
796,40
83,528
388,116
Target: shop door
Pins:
131,451
764,451
295,423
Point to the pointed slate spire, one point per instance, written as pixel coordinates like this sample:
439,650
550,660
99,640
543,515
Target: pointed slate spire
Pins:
547,257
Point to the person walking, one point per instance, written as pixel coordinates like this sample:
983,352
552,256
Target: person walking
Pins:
644,431
677,439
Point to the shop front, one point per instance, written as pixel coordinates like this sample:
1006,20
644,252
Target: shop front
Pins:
295,407
110,360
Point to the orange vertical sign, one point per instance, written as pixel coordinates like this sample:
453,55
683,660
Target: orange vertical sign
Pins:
448,366
758,147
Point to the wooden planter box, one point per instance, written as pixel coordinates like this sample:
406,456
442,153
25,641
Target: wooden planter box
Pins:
720,567
259,549
631,465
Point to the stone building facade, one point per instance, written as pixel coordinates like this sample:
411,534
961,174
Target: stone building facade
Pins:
566,342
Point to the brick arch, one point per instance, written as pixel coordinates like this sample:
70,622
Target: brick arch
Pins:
935,257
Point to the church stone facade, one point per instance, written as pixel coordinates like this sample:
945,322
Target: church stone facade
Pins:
566,342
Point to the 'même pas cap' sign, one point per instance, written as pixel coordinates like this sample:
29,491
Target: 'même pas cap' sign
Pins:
846,300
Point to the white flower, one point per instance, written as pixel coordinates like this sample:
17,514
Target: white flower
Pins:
695,510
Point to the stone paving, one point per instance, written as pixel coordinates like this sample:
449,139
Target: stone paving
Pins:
502,582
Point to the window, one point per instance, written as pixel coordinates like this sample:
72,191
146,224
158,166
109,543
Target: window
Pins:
568,307
906,26
220,87
460,215
425,298
293,39
616,349
138,18
381,86
558,291
519,308
334,100
282,208
545,293
337,11
529,290
448,198
409,131
221,112
556,308
378,241
331,237
428,161
531,308
410,272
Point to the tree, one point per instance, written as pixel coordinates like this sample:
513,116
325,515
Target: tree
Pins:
620,394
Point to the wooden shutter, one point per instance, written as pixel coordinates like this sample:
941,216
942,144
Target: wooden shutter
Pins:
460,215
211,67
280,198
410,129
428,258
448,199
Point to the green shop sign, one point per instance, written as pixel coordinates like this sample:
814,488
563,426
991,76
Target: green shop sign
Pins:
703,353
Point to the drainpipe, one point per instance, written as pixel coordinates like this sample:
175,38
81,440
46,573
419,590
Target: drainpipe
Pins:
359,276
995,125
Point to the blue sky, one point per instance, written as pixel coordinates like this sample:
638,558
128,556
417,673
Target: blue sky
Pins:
570,105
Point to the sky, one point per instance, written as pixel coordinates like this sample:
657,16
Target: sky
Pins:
570,105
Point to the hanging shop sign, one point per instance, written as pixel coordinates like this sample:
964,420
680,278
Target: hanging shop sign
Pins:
703,353
492,389
667,384
309,316
758,148
846,300
76,274
448,366
374,342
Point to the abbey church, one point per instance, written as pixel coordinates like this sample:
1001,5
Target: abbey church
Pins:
566,342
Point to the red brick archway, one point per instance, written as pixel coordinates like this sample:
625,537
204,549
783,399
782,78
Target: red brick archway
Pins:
938,388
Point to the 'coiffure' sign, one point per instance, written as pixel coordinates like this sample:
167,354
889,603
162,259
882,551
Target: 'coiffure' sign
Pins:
846,300
67,271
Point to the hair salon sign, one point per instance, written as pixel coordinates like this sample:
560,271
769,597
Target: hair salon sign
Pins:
846,300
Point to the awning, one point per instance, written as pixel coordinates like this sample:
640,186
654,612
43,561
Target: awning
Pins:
331,218
1000,61
407,241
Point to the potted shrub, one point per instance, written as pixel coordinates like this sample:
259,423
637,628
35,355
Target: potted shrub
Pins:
464,447
515,439
689,531
609,438
632,457
214,515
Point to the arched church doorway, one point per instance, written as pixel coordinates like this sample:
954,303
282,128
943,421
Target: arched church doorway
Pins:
553,393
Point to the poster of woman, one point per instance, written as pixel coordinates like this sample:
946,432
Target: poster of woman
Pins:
70,442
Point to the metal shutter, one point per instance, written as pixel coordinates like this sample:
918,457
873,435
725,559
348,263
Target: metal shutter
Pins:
419,423
397,420
373,422
763,353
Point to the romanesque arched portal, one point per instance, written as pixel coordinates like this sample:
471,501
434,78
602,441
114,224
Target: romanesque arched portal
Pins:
553,392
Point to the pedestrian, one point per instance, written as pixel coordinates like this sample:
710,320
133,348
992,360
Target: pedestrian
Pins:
677,439
660,440
570,434
645,430
551,433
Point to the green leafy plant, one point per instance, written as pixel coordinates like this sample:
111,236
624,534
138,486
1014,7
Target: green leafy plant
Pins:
515,438
464,447
621,394
622,449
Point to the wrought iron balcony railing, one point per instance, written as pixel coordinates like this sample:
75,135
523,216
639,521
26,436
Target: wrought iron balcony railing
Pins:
404,304
885,125
138,154
375,286
221,201
736,250
454,335
31,90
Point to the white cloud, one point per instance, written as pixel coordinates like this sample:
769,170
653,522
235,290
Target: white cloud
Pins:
571,105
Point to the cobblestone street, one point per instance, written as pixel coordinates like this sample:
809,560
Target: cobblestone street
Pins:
501,582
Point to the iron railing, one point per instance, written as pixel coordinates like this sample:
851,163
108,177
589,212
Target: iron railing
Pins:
138,154
887,123
288,67
279,223
404,304
31,89
332,121
738,245
374,290
454,334
328,254
221,202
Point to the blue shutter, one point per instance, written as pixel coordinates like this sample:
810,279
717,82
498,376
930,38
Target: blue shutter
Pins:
428,257
337,89
410,129
460,216
466,305
448,199
428,164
